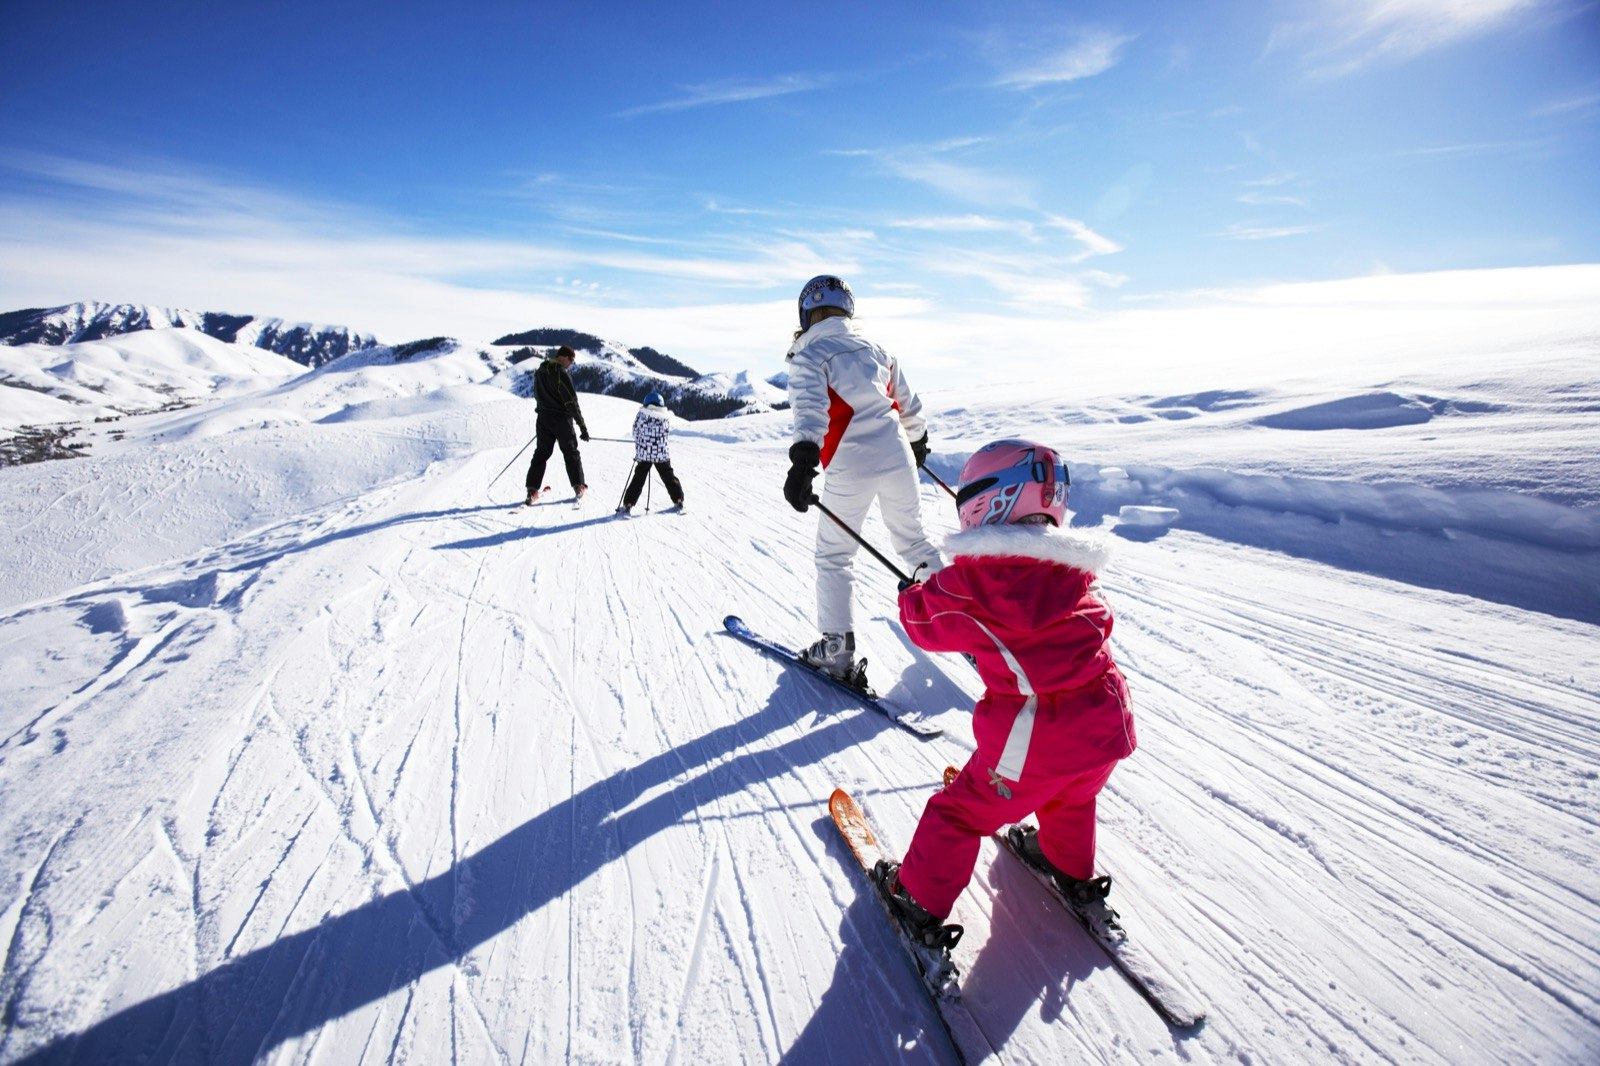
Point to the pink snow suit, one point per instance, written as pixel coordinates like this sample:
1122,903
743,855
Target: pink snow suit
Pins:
1054,718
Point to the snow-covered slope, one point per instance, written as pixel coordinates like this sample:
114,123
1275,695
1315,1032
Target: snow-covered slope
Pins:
89,380
312,750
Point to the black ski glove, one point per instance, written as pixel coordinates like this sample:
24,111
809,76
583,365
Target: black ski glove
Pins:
803,459
583,432
919,449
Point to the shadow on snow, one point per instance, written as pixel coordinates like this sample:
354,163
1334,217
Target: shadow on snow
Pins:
242,1009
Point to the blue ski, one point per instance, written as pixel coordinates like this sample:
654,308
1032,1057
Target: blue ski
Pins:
902,717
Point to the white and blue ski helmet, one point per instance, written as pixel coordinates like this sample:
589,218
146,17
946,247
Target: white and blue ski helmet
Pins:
825,290
654,400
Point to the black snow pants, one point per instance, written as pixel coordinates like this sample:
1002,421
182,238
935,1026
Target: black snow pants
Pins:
550,430
641,471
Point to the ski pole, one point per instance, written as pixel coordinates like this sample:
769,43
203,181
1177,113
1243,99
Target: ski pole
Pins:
649,483
876,554
940,482
613,440
624,495
514,458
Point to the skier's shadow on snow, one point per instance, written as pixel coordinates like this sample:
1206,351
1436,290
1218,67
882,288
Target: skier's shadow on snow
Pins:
1034,958
247,1006
506,537
864,1016
258,558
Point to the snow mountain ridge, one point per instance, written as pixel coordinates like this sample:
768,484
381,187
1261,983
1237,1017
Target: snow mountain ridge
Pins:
306,343
604,366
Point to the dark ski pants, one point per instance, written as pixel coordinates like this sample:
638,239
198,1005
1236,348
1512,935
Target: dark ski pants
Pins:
549,432
641,471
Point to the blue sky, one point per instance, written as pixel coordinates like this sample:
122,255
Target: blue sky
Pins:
670,174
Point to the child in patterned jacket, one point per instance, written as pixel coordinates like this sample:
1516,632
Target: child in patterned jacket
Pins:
650,429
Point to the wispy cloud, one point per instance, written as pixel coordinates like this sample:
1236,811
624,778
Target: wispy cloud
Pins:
1262,233
1261,199
930,165
1090,52
1093,243
1474,148
1357,33
1275,179
712,94
1036,283
969,224
171,237
1572,105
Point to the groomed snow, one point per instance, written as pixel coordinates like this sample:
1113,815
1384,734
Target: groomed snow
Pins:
313,750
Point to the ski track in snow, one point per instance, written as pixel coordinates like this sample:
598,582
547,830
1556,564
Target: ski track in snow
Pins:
415,777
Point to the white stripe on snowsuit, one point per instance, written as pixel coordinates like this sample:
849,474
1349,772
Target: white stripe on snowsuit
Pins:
1021,735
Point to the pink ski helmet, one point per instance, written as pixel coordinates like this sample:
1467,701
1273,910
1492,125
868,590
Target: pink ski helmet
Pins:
1009,480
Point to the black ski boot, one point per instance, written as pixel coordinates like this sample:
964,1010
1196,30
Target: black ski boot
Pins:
1088,897
923,927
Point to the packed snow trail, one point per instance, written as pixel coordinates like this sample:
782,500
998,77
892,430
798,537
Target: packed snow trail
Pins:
411,776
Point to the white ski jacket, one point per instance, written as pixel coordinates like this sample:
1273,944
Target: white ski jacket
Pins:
848,397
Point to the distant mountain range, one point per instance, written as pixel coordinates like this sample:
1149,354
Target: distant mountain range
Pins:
307,344
603,366
654,360
633,373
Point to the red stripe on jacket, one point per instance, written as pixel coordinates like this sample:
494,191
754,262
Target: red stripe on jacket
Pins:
839,416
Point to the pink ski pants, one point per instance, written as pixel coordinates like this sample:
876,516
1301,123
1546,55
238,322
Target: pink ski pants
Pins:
944,851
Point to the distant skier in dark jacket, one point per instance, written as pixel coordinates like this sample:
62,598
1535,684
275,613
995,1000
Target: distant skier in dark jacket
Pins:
556,406
650,428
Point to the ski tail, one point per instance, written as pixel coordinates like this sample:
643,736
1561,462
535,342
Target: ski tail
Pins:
1149,978
938,974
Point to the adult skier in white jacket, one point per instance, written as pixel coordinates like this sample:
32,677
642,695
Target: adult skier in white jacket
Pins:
856,416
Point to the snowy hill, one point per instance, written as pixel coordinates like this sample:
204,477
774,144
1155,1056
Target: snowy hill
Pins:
306,343
310,749
57,367
57,392
71,387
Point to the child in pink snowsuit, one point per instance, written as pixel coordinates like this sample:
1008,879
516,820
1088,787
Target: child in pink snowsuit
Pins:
1055,718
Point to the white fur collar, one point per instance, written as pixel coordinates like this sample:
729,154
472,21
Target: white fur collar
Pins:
655,411
1070,547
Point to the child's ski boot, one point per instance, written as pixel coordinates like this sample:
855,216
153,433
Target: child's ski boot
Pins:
924,928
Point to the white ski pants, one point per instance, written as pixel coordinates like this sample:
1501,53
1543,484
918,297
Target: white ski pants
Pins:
900,505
